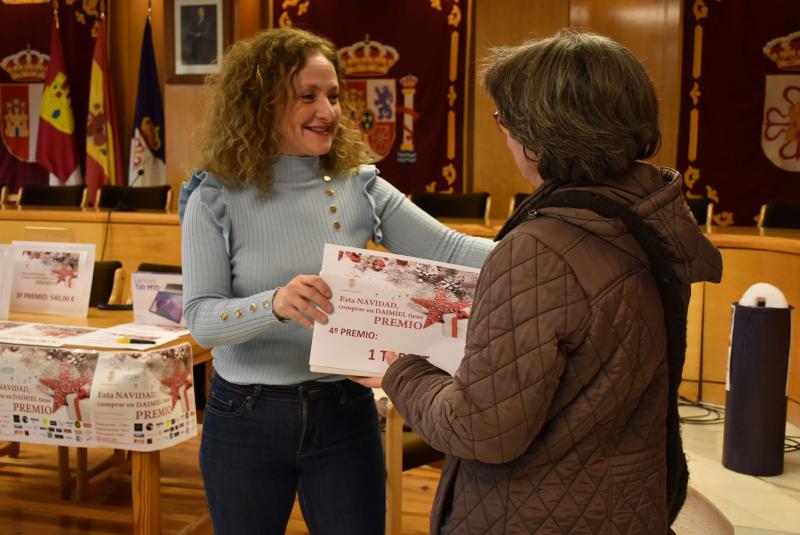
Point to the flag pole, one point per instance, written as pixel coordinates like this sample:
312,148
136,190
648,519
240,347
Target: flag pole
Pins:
55,13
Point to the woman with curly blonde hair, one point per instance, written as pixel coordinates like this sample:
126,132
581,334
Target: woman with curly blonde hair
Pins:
283,173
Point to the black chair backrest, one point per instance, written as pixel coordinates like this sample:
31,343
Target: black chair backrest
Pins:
519,197
145,198
699,208
159,268
103,281
33,195
452,204
781,213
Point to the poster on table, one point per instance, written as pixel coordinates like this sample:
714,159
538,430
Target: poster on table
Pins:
41,334
386,302
140,401
5,280
51,278
157,298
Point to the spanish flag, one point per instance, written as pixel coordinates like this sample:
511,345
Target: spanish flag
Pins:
103,165
56,147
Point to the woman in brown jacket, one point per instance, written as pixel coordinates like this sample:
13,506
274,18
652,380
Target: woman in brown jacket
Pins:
562,417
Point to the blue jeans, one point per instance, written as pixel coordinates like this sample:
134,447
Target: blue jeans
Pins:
262,444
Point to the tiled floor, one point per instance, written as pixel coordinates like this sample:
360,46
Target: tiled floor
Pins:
754,505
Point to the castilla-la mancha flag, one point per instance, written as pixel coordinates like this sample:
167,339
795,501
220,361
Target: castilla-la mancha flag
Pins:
103,164
147,167
56,147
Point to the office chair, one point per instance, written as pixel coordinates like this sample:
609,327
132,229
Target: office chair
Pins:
779,213
403,450
516,200
702,209
467,205
33,195
159,268
106,283
126,198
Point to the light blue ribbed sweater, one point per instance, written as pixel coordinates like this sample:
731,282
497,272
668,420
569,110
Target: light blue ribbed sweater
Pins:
239,246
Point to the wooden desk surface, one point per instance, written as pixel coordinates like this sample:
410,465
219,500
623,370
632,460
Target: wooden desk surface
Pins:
783,240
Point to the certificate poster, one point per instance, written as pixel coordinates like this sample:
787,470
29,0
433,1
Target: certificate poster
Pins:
72,397
5,280
45,395
385,302
51,278
144,401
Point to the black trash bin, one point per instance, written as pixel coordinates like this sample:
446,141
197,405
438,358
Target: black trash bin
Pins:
755,401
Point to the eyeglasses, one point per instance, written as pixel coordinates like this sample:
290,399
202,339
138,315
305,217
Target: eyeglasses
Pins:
498,121
503,129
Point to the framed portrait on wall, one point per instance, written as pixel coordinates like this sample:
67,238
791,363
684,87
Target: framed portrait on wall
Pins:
196,33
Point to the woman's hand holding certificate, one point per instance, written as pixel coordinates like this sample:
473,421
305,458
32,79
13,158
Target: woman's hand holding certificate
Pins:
304,297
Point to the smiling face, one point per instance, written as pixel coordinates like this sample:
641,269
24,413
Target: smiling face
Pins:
311,118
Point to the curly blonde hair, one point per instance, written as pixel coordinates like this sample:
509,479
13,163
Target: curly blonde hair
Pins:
240,136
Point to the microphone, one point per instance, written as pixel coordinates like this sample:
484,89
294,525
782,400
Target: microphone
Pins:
121,206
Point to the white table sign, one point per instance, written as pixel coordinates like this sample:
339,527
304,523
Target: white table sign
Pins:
51,278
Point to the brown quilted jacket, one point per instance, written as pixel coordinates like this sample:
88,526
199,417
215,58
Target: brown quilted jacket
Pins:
555,420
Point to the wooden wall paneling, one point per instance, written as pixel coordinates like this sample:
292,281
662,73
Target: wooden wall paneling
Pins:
651,29
504,23
793,411
250,16
184,108
694,333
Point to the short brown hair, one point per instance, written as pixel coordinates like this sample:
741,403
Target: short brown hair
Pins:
240,136
581,101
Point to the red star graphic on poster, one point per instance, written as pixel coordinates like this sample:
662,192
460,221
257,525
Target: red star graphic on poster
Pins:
439,306
65,274
179,378
64,385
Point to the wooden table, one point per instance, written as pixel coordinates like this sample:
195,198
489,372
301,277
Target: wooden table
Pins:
145,466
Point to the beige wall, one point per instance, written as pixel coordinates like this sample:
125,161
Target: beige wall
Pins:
650,28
